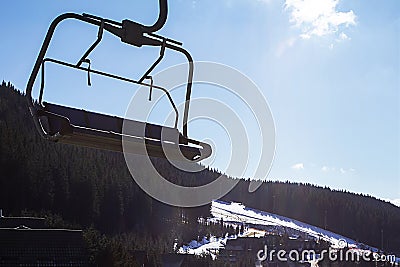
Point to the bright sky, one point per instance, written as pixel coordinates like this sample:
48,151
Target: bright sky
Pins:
328,68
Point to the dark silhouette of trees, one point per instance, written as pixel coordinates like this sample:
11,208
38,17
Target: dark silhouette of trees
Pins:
93,189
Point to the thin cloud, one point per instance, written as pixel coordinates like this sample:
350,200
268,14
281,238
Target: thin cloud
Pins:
319,18
343,37
343,171
333,169
283,46
298,166
328,169
264,1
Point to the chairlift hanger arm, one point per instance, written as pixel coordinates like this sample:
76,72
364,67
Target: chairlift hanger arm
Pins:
162,52
130,32
93,46
125,32
162,17
79,127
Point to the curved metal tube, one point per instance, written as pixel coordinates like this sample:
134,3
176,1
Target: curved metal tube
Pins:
162,17
188,87
114,30
45,46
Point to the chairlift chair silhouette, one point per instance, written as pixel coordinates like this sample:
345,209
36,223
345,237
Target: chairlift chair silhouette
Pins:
79,127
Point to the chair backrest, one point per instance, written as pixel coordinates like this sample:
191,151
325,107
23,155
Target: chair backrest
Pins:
107,123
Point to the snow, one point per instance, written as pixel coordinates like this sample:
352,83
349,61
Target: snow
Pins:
206,247
236,213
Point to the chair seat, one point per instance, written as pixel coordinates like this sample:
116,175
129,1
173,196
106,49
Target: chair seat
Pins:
85,128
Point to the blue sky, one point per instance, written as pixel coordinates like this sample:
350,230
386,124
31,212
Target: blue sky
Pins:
328,68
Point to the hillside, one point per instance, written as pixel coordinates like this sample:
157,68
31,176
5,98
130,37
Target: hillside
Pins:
264,227
87,187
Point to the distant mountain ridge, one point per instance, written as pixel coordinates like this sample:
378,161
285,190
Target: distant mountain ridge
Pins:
91,187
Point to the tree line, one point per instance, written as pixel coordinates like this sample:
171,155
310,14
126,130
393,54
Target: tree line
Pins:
93,189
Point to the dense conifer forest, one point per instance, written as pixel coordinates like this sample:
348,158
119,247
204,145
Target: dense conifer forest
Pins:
89,189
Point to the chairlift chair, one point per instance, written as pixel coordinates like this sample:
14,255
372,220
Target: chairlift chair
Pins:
84,128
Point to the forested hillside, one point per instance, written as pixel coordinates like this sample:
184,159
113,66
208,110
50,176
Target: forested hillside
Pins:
93,189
